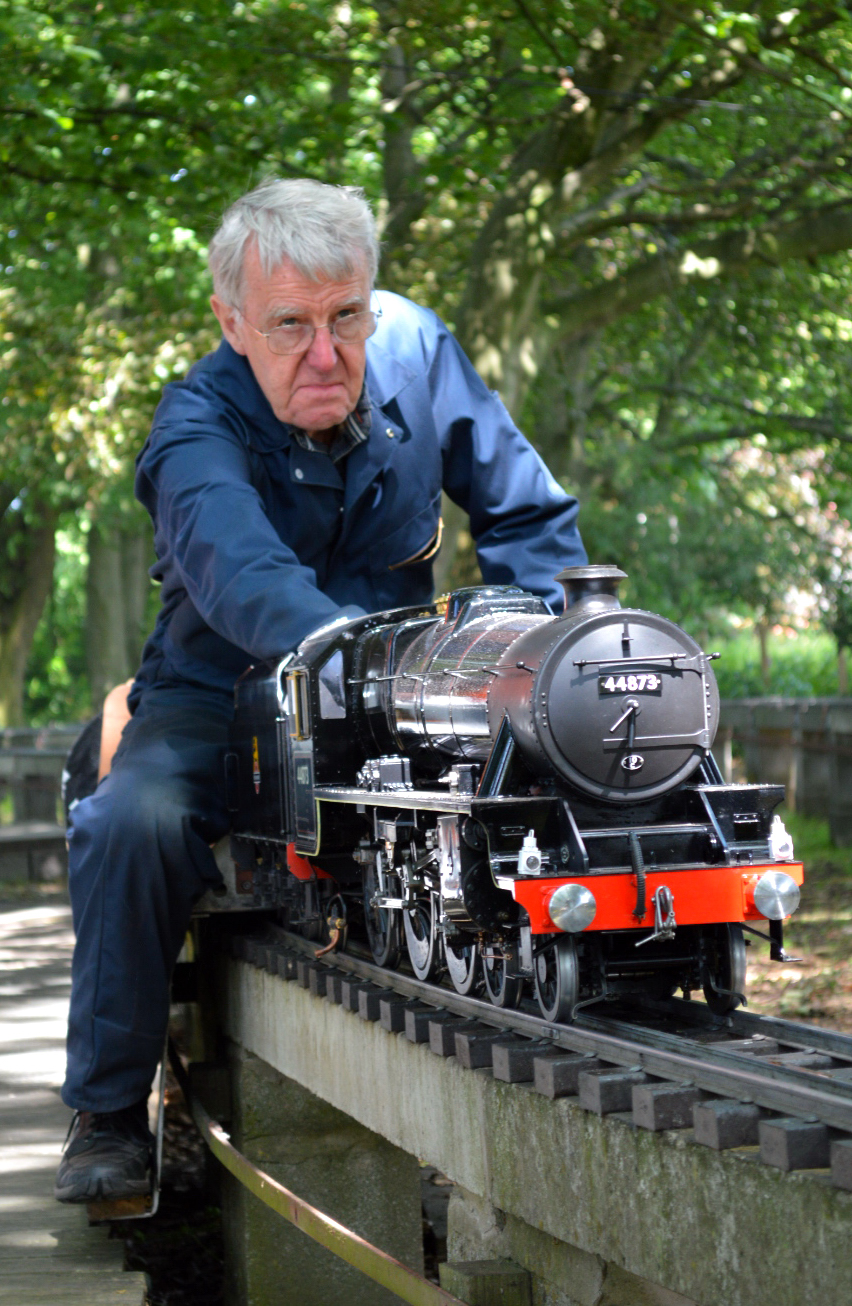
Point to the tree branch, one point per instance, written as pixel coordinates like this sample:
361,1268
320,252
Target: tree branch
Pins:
827,430
65,180
542,35
732,254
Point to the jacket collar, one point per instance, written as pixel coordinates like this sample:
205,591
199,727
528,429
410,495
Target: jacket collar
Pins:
386,375
235,383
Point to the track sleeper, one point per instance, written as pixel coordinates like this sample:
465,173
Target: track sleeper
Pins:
558,1075
841,1163
285,965
793,1144
722,1123
303,972
234,947
475,1048
393,1008
258,953
664,1106
442,1034
804,1060
369,1001
350,991
514,1062
269,957
418,1020
248,950
757,1045
606,1090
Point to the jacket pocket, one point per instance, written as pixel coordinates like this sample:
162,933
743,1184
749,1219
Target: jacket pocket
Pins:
415,541
431,549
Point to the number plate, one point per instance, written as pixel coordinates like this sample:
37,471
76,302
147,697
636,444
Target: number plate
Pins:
633,682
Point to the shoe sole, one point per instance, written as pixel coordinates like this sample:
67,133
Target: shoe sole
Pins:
97,1189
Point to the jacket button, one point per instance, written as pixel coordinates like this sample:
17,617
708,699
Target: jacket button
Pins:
300,475
389,432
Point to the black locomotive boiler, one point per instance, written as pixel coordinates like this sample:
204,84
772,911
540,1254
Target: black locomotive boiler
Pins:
511,798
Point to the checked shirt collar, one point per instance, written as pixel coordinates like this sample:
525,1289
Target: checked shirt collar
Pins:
354,431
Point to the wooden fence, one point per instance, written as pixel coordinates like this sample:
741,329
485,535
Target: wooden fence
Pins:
32,834
803,743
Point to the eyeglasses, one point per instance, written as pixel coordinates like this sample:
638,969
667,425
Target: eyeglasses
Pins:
295,337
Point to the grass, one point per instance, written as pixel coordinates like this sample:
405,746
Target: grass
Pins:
813,846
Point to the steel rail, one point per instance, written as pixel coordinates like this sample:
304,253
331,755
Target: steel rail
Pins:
710,1068
813,1037
377,1265
648,1037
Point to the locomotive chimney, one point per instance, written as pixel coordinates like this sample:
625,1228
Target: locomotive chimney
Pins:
591,588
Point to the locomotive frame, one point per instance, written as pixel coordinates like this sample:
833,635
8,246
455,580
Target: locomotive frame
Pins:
452,782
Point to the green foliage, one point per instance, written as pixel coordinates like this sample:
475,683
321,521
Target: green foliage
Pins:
801,666
636,217
708,445
813,845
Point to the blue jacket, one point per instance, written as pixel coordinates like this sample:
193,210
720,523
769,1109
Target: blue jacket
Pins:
260,541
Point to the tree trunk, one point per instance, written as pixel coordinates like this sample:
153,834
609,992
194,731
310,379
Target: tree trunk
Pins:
20,618
842,672
561,420
765,660
401,170
117,588
136,557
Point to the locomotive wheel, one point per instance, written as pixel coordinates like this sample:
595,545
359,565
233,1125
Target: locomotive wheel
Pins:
421,938
503,989
384,928
463,965
557,980
725,968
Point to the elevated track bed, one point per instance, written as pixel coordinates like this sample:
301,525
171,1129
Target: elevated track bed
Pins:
589,1134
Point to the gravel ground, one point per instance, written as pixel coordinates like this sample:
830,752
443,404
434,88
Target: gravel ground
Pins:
818,988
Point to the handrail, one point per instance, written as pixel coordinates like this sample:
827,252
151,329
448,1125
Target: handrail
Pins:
383,1269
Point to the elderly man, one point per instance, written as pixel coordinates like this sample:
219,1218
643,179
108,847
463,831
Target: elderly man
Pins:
293,477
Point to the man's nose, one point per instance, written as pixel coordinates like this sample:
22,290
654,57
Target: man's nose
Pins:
322,353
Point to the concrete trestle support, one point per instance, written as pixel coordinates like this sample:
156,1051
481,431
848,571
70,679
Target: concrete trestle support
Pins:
353,1174
599,1212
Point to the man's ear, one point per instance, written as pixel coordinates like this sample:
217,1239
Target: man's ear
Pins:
230,322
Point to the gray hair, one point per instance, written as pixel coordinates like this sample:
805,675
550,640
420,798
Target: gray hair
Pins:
326,232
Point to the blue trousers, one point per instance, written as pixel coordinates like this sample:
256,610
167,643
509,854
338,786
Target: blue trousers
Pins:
139,857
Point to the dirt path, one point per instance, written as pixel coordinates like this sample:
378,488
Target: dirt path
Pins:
818,989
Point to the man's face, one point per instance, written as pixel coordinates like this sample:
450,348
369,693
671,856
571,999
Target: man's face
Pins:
319,387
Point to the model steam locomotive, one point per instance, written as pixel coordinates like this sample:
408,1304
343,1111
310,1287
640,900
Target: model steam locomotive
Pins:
511,798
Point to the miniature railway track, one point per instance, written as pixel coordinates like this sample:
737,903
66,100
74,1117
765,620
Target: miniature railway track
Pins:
736,1080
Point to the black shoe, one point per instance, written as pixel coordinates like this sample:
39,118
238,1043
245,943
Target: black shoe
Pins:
107,1156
